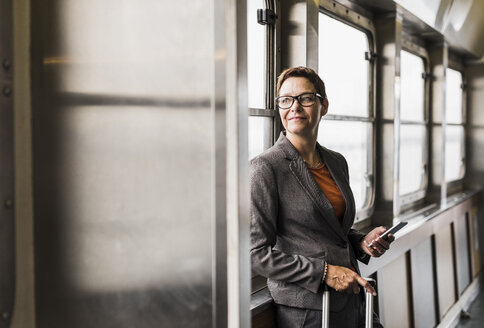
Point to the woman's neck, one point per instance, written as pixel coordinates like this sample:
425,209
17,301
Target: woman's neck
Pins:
306,147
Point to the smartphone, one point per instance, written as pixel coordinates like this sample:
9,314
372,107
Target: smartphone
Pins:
392,230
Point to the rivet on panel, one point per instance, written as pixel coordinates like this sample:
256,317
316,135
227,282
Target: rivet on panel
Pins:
7,91
8,203
6,64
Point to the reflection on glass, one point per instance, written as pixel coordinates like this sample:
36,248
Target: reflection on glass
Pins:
255,55
412,87
260,134
343,67
412,159
453,96
352,140
454,153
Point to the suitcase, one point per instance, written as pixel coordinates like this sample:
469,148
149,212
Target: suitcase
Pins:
368,312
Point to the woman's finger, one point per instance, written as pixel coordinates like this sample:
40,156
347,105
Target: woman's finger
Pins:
382,243
376,249
366,285
390,238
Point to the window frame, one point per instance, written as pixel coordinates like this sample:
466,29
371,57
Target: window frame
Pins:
270,77
413,46
454,63
361,20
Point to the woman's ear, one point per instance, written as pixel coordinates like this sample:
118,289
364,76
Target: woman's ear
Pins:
325,105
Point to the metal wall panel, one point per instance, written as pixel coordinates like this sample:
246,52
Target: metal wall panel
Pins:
423,292
474,74
438,63
474,242
24,309
462,253
459,20
7,248
389,35
393,296
445,269
124,173
299,32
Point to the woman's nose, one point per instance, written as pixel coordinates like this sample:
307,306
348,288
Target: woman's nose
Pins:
296,107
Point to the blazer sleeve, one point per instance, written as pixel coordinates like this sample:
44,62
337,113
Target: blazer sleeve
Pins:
355,237
266,260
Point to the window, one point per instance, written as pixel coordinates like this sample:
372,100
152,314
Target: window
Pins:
348,126
454,132
413,131
261,118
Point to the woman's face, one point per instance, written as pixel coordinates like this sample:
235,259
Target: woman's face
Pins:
298,120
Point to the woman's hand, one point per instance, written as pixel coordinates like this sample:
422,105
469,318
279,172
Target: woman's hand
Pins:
345,280
379,245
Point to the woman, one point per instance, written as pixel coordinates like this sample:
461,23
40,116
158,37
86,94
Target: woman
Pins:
302,210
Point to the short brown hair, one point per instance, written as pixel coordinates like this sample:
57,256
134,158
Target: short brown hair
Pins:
305,72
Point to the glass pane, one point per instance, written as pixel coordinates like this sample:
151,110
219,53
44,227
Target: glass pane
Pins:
413,87
412,159
256,34
343,67
453,96
454,153
260,134
353,141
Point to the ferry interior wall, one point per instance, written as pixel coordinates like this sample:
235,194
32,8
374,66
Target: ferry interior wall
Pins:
126,134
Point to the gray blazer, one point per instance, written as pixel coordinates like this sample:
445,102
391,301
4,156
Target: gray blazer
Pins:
294,229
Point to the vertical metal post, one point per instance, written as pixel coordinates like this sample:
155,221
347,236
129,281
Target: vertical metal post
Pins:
270,75
325,308
443,181
369,305
237,222
396,115
369,311
7,171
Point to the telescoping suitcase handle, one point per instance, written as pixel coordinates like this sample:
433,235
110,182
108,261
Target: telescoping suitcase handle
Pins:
369,306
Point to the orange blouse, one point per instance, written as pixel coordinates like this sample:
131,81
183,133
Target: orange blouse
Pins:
330,190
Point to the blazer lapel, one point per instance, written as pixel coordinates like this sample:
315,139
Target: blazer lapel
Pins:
310,186
340,179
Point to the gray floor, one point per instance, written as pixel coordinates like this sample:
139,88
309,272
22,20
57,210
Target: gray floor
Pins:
476,311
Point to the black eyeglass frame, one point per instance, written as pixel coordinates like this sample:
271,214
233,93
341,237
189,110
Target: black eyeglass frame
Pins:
298,99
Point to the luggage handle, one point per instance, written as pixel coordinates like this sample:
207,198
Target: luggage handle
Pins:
368,312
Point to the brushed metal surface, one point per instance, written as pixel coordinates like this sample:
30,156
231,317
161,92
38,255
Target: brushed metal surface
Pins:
124,192
299,33
474,242
423,291
445,269
7,242
462,255
438,63
388,34
474,74
460,21
393,294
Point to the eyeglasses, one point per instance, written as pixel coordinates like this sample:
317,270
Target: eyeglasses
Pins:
305,100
